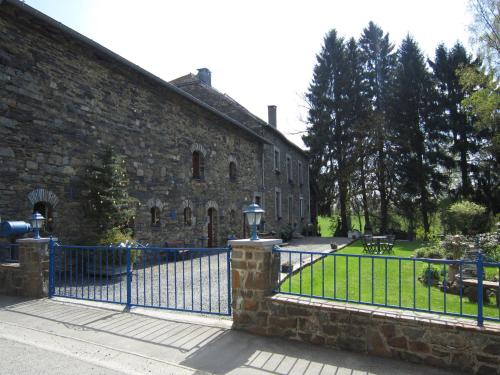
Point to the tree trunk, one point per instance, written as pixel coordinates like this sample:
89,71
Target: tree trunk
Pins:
344,225
464,171
382,188
366,213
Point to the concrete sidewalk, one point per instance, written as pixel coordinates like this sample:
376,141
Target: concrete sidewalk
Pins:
162,343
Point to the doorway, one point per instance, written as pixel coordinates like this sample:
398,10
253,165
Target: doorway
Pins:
212,227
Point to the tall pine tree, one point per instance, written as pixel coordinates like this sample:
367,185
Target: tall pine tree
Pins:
378,65
464,142
418,133
333,103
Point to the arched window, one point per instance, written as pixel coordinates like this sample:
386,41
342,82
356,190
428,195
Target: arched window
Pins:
198,165
232,171
45,209
155,216
188,217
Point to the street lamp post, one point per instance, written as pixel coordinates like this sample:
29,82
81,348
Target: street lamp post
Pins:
254,214
36,224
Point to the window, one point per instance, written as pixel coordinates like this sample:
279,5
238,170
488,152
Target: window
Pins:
258,200
232,171
188,217
290,209
155,216
300,174
289,171
198,166
276,159
277,204
45,209
301,207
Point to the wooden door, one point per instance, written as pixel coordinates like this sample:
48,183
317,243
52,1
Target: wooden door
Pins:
211,227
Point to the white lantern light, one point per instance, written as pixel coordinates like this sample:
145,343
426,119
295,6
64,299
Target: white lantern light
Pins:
37,223
254,215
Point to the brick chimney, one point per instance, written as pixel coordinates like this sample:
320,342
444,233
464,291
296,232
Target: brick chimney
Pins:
205,76
271,114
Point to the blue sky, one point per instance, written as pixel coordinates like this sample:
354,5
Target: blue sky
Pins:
260,52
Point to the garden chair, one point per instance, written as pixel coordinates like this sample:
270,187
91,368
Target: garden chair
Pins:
369,246
386,247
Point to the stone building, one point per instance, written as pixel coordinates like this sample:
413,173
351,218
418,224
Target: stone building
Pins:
193,164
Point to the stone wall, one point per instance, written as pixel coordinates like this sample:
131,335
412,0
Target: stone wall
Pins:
29,277
271,179
420,338
278,180
63,100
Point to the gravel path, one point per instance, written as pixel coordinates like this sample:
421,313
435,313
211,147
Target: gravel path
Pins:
198,282
307,245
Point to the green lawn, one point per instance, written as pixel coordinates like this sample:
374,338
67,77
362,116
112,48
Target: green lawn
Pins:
325,223
383,281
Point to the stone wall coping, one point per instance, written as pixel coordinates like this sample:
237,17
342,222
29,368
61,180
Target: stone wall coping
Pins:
258,243
10,266
375,312
35,240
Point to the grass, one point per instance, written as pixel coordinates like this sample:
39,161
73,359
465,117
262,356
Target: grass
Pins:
325,223
380,280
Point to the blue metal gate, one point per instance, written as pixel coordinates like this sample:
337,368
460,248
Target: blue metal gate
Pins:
184,279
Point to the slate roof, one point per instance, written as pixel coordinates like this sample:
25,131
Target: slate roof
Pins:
191,84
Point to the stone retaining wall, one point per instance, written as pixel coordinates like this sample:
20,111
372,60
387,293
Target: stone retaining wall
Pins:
12,279
29,277
456,344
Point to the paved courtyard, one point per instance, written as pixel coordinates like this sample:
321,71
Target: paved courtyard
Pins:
50,336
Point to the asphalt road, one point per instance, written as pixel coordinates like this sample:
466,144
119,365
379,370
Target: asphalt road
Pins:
22,359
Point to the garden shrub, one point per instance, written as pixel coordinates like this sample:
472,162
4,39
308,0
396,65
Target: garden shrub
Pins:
286,233
466,217
456,246
430,275
433,251
489,243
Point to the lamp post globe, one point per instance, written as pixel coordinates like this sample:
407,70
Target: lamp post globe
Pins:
254,214
36,224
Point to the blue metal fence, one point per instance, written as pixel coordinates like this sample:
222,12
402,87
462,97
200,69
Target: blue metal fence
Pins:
185,279
416,284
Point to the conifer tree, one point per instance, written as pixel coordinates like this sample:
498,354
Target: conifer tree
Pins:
333,112
418,133
378,68
108,204
464,141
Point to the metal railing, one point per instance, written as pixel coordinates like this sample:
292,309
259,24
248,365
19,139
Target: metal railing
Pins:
186,279
9,253
417,284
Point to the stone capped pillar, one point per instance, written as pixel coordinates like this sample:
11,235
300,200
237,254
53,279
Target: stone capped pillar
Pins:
34,263
255,273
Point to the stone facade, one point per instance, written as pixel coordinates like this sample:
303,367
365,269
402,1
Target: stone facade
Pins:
284,179
420,338
63,98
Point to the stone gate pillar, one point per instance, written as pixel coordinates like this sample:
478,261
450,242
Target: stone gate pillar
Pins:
34,264
255,273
